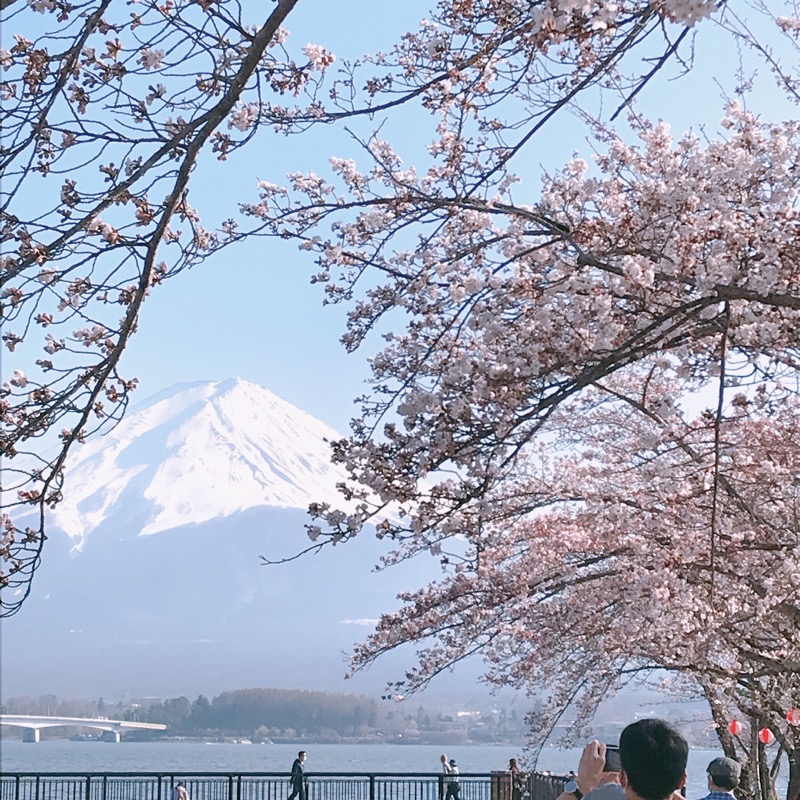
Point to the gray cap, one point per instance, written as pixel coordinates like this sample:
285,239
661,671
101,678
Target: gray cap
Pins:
724,767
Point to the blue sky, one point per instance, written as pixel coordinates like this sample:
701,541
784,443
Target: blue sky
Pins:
251,312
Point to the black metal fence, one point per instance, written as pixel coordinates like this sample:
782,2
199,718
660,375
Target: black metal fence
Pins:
271,786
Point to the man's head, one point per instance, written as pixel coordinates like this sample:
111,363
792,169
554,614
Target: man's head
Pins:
302,755
724,773
653,756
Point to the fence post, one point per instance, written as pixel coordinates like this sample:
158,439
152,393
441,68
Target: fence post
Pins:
371,787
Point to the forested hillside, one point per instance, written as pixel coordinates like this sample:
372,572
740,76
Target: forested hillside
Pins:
288,715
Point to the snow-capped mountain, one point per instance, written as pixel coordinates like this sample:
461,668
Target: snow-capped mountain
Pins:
199,452
151,582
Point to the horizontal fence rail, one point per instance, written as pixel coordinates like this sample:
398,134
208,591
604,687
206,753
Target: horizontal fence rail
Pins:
275,786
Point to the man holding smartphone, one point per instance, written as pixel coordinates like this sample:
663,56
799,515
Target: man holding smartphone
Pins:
652,766
598,774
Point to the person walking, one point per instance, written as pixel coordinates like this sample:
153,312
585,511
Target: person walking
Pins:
453,778
298,777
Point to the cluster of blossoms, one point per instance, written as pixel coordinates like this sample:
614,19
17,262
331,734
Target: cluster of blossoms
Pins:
686,11
556,18
151,59
319,57
244,118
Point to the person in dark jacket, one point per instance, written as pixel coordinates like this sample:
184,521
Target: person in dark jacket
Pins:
298,777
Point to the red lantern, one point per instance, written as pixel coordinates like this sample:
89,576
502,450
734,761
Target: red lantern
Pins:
766,736
735,727
793,716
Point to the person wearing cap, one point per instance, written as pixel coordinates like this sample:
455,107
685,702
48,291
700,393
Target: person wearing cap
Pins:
723,778
453,785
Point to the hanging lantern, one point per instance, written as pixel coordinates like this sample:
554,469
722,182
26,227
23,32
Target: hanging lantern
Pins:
735,727
793,716
766,736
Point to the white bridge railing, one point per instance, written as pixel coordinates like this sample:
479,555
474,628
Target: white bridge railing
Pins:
112,728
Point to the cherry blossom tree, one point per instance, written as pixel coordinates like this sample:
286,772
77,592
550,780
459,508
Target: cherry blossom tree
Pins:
113,110
586,406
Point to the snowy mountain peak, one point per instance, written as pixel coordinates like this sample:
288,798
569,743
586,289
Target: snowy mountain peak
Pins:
194,453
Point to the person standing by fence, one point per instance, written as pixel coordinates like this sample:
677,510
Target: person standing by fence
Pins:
517,779
723,777
445,773
453,778
179,791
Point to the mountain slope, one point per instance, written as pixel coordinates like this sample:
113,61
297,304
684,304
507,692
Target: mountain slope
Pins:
196,453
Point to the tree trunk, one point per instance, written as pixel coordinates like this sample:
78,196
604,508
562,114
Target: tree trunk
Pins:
765,783
793,791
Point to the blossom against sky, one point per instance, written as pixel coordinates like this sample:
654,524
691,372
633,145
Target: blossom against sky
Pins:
251,311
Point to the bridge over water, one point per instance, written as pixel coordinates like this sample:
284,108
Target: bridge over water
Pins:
112,728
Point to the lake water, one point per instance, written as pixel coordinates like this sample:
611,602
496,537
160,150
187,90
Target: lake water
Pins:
176,757
60,754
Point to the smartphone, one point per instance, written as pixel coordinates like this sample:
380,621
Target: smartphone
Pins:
613,764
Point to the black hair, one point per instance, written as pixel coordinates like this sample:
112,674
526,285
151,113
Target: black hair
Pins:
653,755
724,782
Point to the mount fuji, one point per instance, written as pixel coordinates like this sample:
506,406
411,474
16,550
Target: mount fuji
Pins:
197,453
151,583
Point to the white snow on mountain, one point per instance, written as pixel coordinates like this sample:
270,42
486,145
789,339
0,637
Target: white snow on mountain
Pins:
195,453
